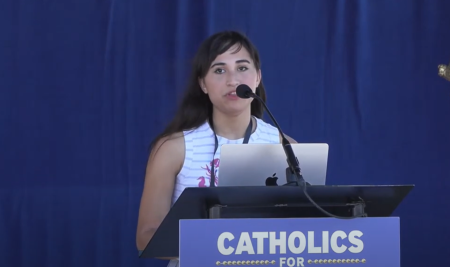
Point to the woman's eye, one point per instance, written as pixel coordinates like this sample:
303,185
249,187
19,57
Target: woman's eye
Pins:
220,71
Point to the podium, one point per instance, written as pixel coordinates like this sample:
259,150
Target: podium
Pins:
271,202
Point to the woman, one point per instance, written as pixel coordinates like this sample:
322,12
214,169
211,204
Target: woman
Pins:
187,152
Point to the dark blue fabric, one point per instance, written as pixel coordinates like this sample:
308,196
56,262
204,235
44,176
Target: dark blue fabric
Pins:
85,86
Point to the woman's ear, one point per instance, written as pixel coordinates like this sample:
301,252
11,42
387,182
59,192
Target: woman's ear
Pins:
258,78
202,85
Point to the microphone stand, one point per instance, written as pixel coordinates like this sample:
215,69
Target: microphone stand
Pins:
294,176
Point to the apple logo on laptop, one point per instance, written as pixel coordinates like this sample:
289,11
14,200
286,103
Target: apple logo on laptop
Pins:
272,181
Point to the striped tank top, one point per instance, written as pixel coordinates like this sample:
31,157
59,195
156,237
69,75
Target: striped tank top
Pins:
199,144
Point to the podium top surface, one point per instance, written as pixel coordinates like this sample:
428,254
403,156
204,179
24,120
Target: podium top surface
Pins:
380,201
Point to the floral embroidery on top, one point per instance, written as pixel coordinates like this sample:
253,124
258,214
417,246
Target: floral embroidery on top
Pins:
202,182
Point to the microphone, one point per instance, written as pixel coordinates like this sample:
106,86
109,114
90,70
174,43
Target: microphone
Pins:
293,173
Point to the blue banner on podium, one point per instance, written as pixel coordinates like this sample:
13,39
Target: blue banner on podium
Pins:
369,242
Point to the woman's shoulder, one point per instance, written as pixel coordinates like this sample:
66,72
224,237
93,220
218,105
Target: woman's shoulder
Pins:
170,147
264,124
265,127
269,128
176,141
171,140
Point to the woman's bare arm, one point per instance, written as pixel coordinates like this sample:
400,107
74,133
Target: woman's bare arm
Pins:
164,163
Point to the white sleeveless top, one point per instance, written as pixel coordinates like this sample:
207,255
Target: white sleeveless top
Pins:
199,144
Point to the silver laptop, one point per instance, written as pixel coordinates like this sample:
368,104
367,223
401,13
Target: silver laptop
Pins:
251,164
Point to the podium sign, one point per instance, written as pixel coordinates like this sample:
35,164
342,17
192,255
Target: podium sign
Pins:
293,242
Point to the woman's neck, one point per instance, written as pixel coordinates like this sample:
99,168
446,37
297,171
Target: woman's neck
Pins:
231,127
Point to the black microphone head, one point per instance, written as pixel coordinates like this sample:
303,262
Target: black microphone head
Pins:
244,91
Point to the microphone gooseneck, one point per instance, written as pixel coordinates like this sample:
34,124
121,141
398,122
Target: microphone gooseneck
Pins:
244,91
294,176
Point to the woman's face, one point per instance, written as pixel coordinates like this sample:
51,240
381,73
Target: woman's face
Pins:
226,72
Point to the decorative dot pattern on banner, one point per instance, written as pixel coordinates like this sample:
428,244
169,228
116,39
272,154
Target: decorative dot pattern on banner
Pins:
273,262
248,262
336,261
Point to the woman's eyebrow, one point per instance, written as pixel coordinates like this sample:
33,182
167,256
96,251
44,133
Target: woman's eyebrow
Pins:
237,61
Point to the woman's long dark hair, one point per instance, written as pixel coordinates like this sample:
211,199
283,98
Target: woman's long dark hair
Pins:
196,107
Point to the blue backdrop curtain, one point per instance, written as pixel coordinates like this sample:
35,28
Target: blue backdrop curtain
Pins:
85,85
